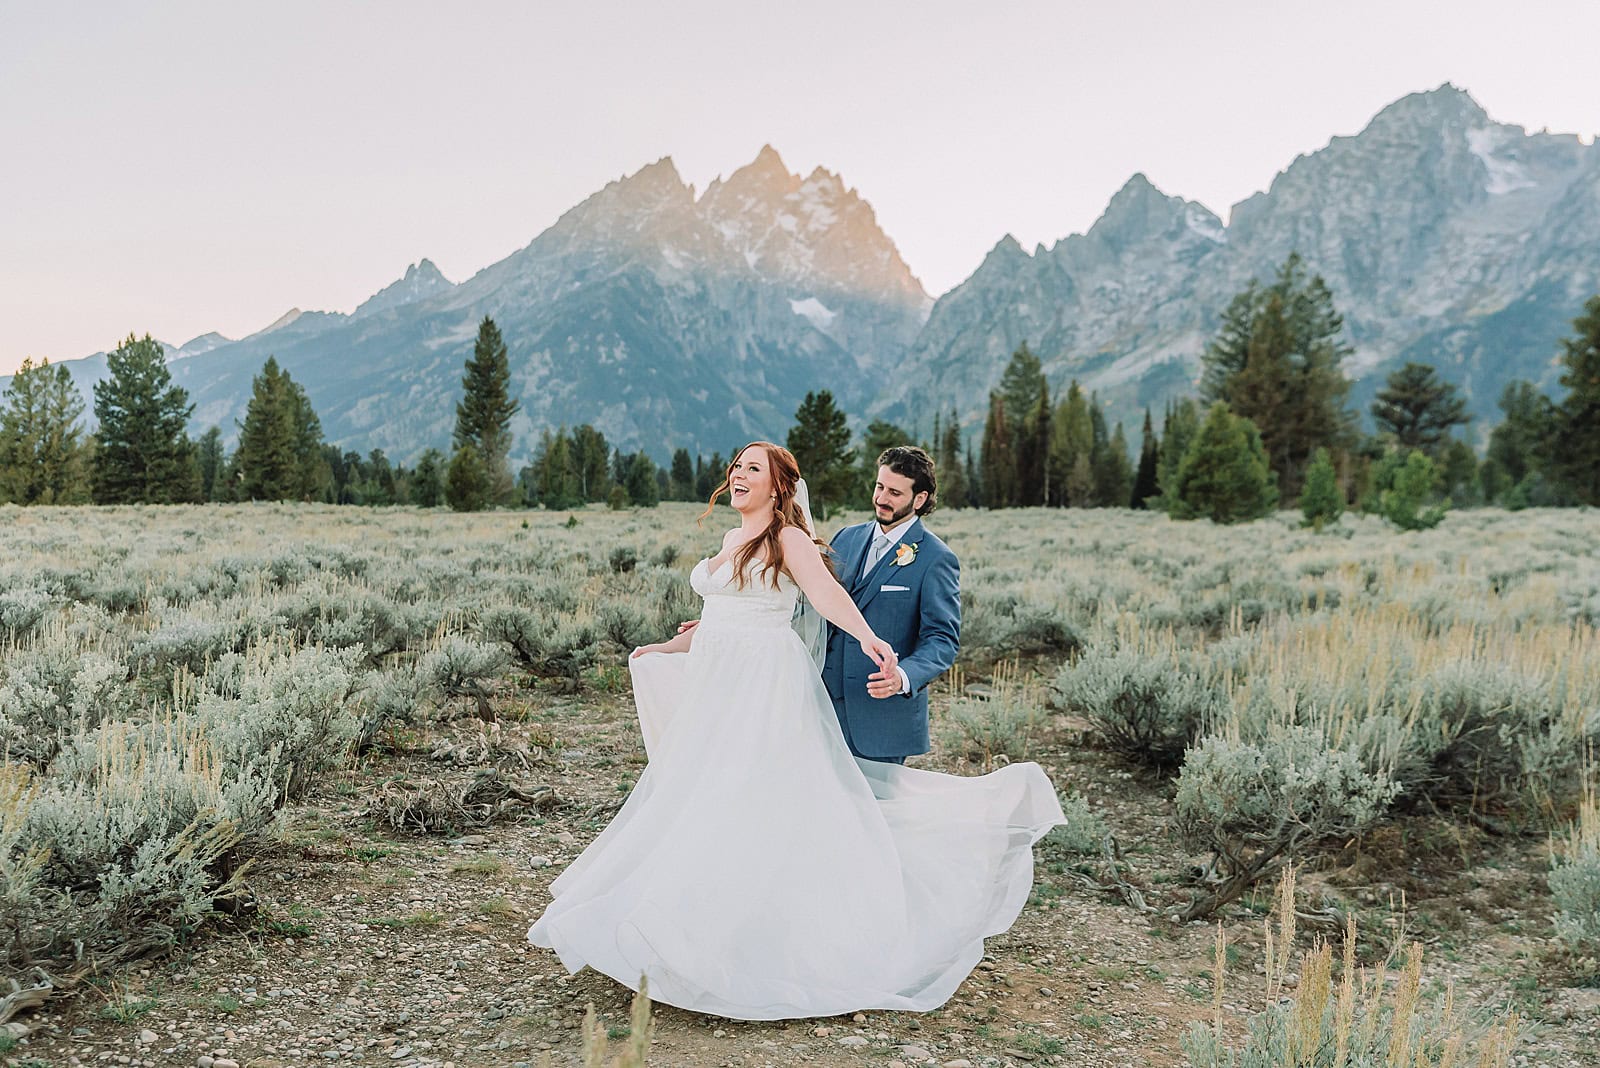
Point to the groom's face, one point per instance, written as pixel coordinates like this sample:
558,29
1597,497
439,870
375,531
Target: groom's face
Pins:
892,499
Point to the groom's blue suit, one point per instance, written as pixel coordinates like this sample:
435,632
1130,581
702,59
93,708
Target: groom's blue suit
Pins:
916,608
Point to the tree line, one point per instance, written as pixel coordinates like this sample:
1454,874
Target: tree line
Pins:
1271,427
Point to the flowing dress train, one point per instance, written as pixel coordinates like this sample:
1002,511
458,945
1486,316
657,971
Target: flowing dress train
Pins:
759,871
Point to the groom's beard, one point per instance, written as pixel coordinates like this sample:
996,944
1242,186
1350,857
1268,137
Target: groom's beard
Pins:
893,518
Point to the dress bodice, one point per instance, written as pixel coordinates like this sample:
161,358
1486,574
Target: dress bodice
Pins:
757,605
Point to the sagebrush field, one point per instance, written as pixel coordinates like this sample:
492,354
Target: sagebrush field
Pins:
348,749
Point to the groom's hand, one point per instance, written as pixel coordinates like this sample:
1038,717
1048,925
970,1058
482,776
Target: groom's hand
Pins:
884,683
689,624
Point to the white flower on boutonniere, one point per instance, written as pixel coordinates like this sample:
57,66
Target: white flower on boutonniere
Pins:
905,553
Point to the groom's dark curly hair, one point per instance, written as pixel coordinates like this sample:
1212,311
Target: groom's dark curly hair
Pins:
908,461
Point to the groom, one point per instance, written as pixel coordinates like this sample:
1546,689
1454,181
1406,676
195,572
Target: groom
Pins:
907,584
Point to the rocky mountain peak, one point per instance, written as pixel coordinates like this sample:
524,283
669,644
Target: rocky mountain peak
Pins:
1430,113
421,281
1139,213
814,233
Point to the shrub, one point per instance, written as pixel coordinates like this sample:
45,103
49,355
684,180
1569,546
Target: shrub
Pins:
626,623
346,617
676,601
1256,803
1575,881
547,645
995,725
396,697
21,612
460,667
1147,706
1495,737
1358,1019
1005,625
192,643
141,824
53,692
1082,833
294,715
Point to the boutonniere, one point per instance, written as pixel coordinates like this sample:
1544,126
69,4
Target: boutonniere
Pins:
906,553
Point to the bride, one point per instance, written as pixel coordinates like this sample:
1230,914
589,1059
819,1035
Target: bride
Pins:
758,870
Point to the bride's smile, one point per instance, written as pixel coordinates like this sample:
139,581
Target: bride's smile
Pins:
749,482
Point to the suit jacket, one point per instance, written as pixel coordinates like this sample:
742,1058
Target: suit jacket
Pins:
916,608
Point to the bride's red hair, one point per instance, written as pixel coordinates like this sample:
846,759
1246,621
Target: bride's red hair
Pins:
767,546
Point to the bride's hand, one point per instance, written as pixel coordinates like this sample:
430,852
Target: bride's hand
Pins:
643,649
881,653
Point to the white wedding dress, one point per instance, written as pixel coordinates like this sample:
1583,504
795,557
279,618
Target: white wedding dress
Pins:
758,871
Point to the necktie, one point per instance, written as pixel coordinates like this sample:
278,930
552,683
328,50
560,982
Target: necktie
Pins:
880,545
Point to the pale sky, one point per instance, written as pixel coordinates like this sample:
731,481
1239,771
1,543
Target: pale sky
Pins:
176,168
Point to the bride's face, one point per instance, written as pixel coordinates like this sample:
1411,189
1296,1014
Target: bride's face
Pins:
750,481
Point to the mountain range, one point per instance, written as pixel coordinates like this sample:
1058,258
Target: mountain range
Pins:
670,319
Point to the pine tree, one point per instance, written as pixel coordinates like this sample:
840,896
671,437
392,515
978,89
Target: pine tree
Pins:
142,455
1224,475
1521,447
704,480
1145,484
1071,448
998,460
378,485
1020,383
1403,483
1025,395
1276,361
682,481
590,464
1418,409
427,488
1458,473
1577,418
974,477
467,485
643,489
949,466
1321,502
1113,473
1035,474
43,459
213,465
820,441
280,454
556,476
316,478
483,417
1179,428
716,470
268,453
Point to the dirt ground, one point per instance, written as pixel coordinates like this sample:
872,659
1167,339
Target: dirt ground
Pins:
372,946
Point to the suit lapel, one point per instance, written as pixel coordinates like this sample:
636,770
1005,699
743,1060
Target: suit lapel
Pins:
871,584
858,556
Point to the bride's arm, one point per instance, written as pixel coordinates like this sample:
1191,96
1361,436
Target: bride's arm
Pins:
804,563
679,644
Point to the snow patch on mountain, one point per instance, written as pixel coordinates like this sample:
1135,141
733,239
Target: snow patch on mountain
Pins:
1505,175
812,308
1205,224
